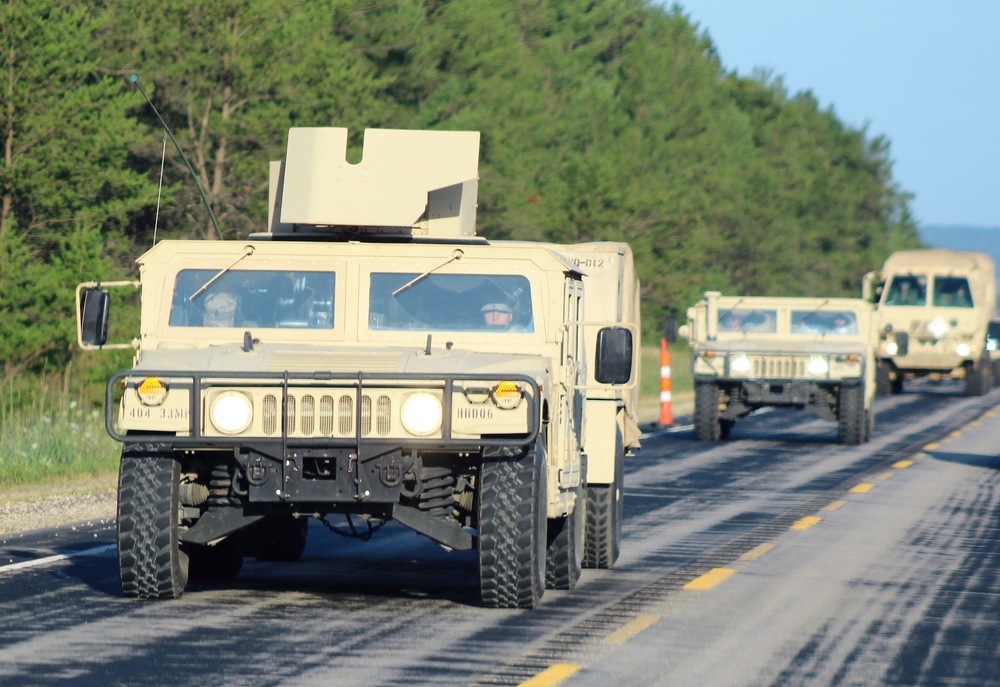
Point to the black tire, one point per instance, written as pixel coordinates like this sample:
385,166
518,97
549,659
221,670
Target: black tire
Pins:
564,554
852,419
218,563
978,377
605,503
707,426
282,539
883,379
151,564
897,384
512,527
869,422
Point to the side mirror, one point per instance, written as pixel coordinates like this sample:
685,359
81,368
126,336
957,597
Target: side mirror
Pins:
902,343
614,356
670,328
94,313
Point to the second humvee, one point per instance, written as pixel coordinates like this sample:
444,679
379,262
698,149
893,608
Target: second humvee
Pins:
816,354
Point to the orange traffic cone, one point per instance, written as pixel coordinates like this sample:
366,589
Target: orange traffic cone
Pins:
666,411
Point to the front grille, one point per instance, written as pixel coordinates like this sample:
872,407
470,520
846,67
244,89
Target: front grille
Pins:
309,415
778,368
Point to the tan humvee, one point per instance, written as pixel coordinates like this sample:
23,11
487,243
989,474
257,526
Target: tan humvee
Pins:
815,354
944,300
369,356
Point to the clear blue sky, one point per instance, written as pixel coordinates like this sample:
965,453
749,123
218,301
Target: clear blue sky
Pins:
925,74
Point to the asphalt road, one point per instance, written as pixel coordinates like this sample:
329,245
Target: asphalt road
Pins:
776,558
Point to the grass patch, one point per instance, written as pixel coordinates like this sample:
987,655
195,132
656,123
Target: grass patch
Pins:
53,443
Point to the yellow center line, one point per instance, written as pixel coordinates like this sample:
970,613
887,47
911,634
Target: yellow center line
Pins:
833,505
710,579
975,423
931,447
885,475
552,675
921,455
861,488
902,464
758,551
805,523
956,433
631,629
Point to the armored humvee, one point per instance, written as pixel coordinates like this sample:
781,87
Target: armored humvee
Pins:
368,356
944,300
815,354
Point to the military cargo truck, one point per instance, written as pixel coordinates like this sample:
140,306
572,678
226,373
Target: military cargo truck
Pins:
944,300
368,356
815,354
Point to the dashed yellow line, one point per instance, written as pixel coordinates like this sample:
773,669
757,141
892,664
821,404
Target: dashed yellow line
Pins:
902,464
932,447
758,551
805,523
956,433
631,629
861,488
710,579
552,675
885,475
975,423
833,505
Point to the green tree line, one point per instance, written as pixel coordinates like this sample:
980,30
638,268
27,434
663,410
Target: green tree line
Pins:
600,120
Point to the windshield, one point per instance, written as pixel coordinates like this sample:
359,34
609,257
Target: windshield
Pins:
907,290
836,322
748,320
952,292
450,302
273,299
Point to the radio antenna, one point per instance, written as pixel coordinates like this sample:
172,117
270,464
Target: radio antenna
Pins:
134,78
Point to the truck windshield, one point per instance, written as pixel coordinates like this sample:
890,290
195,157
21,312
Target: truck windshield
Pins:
270,299
451,302
907,290
952,292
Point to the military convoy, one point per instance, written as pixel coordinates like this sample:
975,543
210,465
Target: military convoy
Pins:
370,356
816,354
944,300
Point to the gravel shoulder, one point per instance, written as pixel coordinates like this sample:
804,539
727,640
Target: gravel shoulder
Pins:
32,508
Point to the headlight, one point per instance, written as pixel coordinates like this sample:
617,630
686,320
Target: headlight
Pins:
892,348
421,414
817,366
231,412
740,364
991,344
962,349
937,327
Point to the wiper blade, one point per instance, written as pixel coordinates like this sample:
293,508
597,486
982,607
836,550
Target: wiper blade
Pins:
457,254
246,254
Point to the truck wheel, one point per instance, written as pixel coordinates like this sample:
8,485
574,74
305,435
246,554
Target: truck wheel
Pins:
883,379
602,538
977,377
851,416
869,422
512,527
707,426
564,555
151,564
217,563
280,539
897,384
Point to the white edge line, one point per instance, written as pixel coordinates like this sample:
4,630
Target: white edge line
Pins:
60,557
